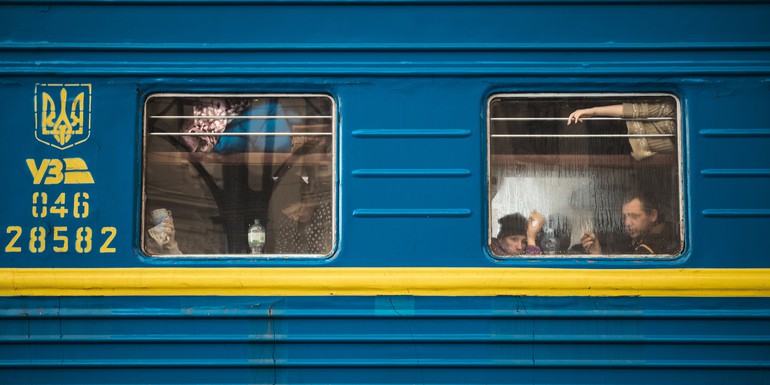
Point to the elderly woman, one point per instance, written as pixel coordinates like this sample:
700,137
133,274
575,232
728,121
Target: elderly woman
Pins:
517,235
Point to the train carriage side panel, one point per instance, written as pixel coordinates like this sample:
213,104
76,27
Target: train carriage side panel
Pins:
408,290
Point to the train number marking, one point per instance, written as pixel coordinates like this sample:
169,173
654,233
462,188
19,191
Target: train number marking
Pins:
41,208
61,236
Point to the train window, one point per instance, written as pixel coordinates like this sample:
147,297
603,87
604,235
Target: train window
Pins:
584,175
238,175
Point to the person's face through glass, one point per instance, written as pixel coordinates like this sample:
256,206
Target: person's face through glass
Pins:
515,244
637,221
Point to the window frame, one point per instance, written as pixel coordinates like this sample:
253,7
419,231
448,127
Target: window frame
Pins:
677,221
334,166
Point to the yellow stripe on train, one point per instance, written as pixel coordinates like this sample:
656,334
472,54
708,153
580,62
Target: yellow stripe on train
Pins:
385,281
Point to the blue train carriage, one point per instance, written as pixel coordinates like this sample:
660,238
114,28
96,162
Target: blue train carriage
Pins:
382,192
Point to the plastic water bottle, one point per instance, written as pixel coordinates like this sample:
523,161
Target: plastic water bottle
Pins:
549,241
256,237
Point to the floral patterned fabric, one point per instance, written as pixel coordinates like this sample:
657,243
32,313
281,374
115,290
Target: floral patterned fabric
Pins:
208,110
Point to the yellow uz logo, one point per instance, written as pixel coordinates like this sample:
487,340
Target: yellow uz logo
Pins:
54,171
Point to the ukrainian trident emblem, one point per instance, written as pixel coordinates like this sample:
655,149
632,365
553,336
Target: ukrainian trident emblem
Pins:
62,114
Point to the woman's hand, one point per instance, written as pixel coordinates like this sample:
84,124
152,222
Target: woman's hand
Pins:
578,115
535,224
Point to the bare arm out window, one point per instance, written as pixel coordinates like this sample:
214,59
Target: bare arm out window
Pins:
238,175
584,175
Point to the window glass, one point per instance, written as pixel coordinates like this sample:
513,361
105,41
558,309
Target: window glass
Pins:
584,175
249,175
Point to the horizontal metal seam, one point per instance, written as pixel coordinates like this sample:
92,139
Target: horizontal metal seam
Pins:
390,363
411,133
736,173
411,213
41,47
399,339
737,213
411,173
735,133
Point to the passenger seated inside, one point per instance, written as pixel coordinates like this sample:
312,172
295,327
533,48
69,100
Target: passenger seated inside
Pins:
646,230
518,236
300,209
